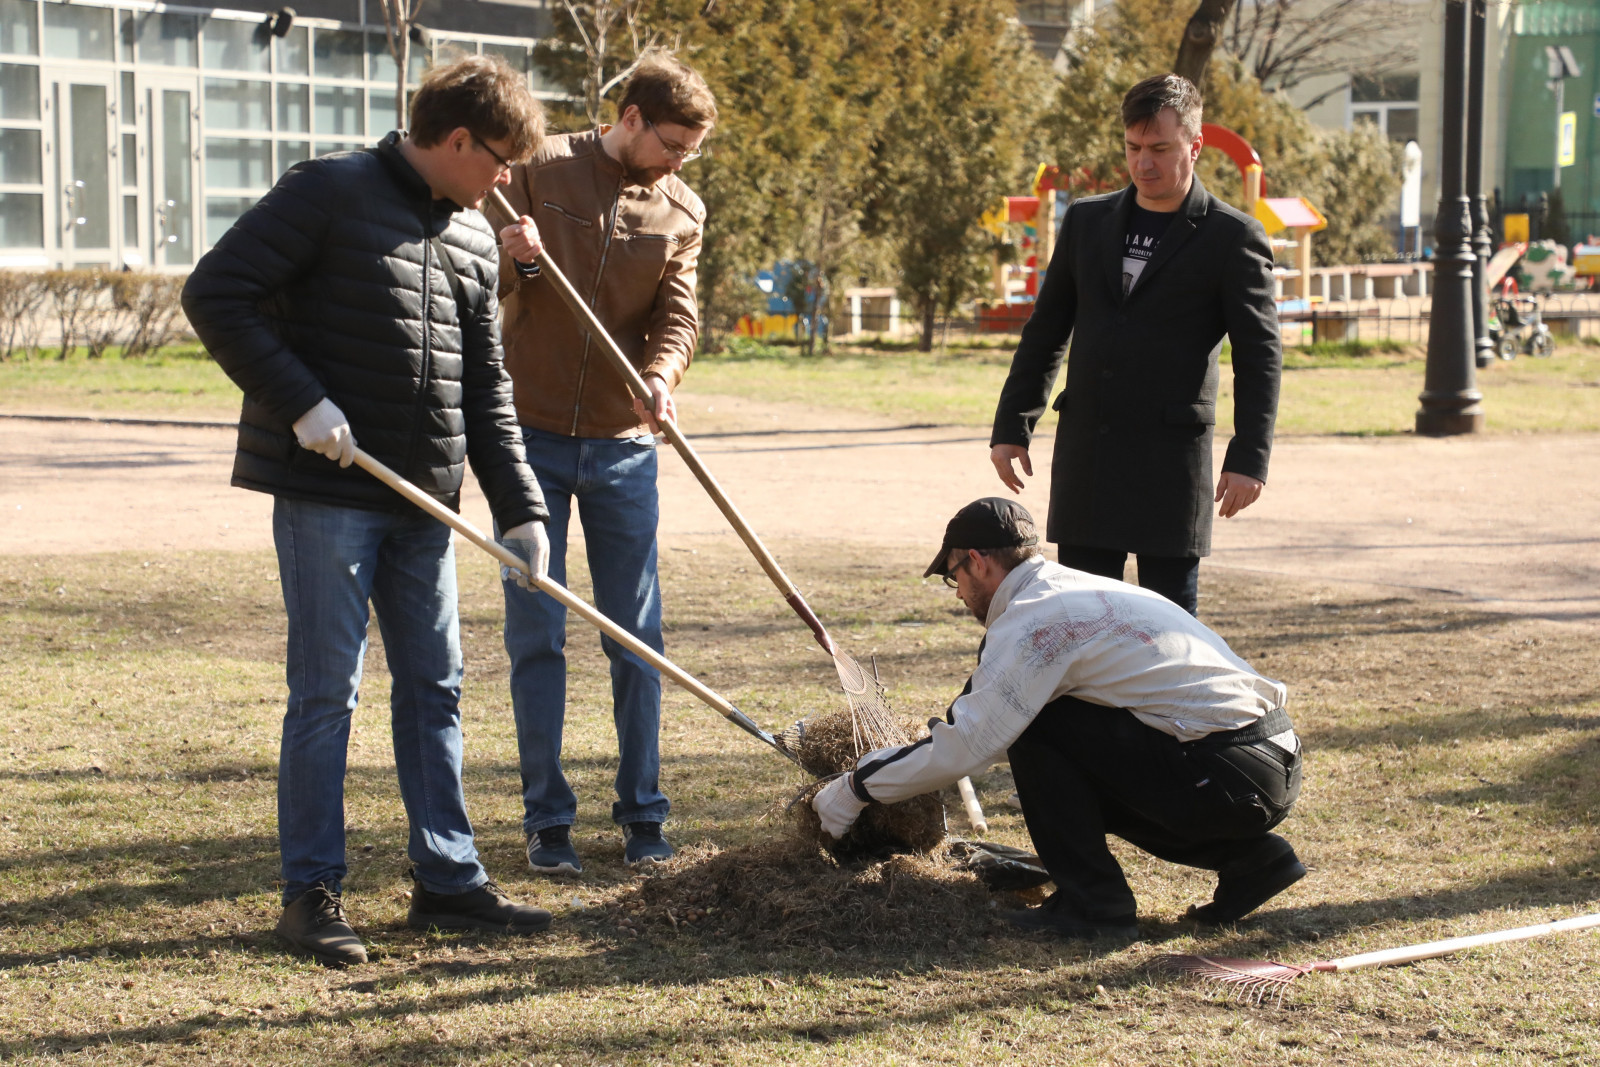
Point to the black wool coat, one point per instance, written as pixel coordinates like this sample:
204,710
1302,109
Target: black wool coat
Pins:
332,286
1132,464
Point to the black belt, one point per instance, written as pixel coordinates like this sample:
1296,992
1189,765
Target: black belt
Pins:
1271,724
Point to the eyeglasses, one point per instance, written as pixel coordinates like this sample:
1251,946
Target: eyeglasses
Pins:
678,152
950,575
505,164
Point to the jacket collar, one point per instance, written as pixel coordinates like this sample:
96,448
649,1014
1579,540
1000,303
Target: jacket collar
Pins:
1195,206
608,167
406,176
1020,577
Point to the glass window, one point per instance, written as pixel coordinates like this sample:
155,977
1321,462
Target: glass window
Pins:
292,152
242,46
294,57
130,221
294,108
169,40
380,112
77,32
129,111
328,147
21,220
19,91
222,212
20,161
127,33
1366,118
90,173
380,64
515,55
177,185
1402,124
338,110
339,54
235,104
238,164
19,27
130,159
1377,88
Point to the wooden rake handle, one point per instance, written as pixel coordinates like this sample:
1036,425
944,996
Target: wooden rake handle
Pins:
1412,953
565,598
691,458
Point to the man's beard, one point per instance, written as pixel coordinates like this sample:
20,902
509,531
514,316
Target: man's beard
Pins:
979,605
641,176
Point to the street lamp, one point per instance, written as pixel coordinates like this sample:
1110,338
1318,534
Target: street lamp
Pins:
1451,402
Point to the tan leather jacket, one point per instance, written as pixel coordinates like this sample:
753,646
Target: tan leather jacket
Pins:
631,253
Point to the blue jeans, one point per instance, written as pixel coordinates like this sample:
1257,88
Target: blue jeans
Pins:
613,481
331,561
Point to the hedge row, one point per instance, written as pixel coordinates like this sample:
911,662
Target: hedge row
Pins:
92,309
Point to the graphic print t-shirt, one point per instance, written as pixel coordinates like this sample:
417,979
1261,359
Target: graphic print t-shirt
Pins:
1145,228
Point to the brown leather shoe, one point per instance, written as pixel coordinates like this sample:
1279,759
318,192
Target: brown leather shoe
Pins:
314,923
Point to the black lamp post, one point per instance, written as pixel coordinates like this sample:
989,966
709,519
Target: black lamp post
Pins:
1482,236
1451,403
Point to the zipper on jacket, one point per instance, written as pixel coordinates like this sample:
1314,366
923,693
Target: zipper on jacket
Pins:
427,348
605,250
651,237
559,210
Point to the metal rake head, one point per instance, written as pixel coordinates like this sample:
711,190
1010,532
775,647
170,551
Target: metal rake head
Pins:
1253,981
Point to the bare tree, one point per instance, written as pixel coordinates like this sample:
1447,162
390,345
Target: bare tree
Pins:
1286,42
600,26
398,17
1200,38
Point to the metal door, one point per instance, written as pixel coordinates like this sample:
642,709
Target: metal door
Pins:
80,127
174,168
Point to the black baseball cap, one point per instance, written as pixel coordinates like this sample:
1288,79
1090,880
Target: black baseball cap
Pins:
992,522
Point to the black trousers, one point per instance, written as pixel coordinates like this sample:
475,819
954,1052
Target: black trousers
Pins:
1175,577
1084,771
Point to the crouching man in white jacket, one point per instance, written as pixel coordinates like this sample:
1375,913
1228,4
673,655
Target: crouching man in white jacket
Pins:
1121,714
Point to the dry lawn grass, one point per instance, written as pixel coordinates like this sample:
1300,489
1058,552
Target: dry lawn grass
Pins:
1453,787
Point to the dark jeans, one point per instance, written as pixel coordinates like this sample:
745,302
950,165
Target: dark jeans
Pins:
1175,577
1084,771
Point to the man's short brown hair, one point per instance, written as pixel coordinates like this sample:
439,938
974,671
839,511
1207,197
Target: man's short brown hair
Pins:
667,90
1146,100
483,94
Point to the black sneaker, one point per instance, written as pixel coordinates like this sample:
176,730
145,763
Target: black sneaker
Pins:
483,908
314,923
642,843
550,851
1268,871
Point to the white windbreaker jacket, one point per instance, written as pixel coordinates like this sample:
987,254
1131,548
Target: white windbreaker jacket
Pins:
1054,632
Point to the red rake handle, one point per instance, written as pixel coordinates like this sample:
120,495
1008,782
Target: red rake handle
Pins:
691,458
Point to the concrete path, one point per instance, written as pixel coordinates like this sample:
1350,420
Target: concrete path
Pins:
1511,523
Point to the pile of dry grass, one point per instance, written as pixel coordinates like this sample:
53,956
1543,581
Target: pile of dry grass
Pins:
829,746
779,894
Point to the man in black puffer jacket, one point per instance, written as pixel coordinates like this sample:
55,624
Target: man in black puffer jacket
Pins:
356,302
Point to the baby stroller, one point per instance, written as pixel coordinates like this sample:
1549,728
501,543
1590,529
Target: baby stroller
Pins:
1521,326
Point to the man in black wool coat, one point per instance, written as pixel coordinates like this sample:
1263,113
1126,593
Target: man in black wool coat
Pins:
1146,282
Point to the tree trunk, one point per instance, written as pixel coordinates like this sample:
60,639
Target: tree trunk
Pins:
404,60
925,342
1200,38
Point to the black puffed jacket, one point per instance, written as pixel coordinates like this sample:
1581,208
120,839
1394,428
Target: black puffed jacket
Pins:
331,287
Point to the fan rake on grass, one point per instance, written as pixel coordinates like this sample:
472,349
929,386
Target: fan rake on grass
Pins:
1258,980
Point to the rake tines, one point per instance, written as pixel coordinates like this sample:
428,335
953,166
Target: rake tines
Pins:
1252,981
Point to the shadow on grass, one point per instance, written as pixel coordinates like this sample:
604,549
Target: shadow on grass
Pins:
519,981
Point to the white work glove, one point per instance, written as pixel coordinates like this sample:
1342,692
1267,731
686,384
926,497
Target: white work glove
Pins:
838,806
532,543
324,429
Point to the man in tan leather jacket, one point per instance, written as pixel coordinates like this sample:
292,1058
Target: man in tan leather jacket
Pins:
609,208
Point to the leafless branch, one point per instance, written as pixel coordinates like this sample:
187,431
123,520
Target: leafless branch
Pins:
1287,42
